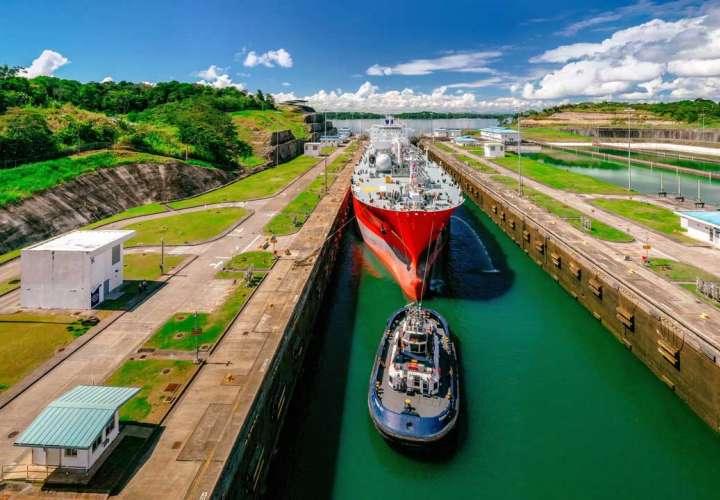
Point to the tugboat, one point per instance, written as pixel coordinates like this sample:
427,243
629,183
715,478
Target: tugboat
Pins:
414,395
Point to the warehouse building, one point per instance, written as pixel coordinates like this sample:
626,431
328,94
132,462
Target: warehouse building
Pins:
77,431
76,271
701,225
499,134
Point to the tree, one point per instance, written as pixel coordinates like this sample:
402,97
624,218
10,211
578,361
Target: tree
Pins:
9,72
27,137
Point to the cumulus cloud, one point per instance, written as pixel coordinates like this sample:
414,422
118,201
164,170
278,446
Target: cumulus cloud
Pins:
477,84
45,65
269,59
217,77
107,79
653,60
467,62
368,97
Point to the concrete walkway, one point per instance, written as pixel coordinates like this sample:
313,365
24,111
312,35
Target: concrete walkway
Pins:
704,257
194,289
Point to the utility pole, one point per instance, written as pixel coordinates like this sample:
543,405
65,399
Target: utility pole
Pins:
628,158
519,154
162,256
325,168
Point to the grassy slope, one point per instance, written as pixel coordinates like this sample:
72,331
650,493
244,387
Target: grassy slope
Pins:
258,185
658,218
187,228
149,209
558,178
255,127
22,182
599,230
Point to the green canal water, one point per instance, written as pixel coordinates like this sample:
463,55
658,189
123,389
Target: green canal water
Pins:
553,406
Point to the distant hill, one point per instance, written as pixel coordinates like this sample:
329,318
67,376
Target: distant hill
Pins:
418,115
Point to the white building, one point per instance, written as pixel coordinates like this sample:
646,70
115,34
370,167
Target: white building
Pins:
493,149
77,431
499,134
465,140
75,271
701,225
313,148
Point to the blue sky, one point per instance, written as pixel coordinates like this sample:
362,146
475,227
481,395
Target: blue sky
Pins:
459,55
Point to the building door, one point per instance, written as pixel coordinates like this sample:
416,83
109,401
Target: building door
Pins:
53,456
106,289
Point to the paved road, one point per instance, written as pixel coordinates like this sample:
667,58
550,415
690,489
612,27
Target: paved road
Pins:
193,289
704,257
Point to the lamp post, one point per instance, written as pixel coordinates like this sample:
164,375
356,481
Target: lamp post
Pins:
628,157
519,154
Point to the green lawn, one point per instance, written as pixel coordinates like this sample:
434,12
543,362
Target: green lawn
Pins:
186,228
327,150
146,265
153,376
655,217
177,333
552,135
29,339
444,147
259,185
598,230
149,209
679,271
558,178
296,213
9,285
22,182
475,164
257,259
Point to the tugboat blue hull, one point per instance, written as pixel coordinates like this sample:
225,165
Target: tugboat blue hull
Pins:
406,427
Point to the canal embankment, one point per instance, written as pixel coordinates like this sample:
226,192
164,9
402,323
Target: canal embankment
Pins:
219,439
665,327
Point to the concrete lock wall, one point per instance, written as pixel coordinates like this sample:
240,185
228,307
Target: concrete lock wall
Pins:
684,362
246,468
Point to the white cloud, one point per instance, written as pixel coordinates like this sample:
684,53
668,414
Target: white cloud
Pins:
650,61
467,62
368,97
286,84
45,65
107,79
217,77
269,59
477,84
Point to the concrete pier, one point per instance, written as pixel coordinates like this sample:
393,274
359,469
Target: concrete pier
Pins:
674,335
219,438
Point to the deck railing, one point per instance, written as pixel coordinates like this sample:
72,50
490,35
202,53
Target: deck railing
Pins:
25,472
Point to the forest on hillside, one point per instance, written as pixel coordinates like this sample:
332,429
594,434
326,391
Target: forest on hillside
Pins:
47,117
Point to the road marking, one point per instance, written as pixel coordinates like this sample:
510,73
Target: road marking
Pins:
251,244
216,264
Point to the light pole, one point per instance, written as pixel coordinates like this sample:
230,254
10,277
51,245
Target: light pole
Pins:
628,157
519,154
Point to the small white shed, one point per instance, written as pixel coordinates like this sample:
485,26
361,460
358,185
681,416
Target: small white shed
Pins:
493,149
75,271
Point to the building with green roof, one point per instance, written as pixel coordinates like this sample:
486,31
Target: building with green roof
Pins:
76,430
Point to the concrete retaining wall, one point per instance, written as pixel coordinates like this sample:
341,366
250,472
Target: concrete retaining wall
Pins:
684,362
661,134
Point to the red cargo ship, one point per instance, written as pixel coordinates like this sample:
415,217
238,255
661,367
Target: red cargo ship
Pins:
403,203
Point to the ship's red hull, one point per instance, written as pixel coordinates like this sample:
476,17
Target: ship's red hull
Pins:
406,242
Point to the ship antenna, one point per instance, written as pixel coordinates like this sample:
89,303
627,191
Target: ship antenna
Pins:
427,259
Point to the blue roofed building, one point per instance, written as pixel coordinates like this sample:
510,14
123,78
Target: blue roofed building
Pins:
77,430
702,225
465,140
499,134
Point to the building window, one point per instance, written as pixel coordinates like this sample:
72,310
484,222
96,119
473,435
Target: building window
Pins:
70,452
109,427
96,443
116,254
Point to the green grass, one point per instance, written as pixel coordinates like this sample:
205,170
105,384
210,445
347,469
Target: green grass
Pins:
679,271
558,178
29,339
552,134
186,228
257,259
598,230
8,256
149,209
22,182
296,213
569,159
9,285
667,159
652,216
177,333
146,266
327,150
147,374
444,147
475,164
262,184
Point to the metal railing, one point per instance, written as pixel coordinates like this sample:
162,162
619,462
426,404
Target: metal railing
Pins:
25,472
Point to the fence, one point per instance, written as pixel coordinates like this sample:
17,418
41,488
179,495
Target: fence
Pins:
25,472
